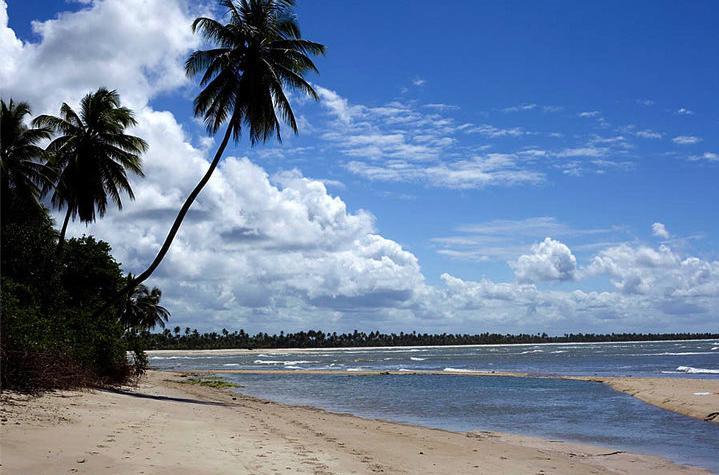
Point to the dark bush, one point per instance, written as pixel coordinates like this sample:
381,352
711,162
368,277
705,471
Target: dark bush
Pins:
47,338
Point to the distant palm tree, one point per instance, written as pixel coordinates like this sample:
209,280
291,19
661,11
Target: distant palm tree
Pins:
142,310
92,154
255,55
22,169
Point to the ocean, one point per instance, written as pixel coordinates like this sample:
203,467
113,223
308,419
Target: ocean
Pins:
567,410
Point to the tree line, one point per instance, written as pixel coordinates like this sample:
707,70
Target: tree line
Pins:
69,313
188,339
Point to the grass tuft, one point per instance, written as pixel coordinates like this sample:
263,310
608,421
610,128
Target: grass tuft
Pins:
210,381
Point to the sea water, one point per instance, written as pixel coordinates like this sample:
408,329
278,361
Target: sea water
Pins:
698,358
566,410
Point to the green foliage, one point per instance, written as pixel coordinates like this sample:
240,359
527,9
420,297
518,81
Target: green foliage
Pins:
92,154
210,382
50,336
254,59
142,310
22,171
193,340
47,334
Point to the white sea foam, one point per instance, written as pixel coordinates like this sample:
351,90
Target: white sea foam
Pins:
714,348
413,358
293,367
183,357
531,351
668,353
462,370
703,393
404,370
268,362
690,370
278,362
231,364
355,369
559,351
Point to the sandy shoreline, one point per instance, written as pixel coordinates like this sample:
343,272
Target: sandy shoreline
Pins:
698,398
164,427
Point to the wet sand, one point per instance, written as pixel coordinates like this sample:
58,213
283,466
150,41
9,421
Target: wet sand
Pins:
165,426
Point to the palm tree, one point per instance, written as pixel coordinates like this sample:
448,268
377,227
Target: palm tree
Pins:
255,55
92,154
24,175
142,310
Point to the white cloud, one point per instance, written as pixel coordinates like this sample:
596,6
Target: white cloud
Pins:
11,47
708,156
495,132
505,239
520,108
648,134
582,152
135,46
652,285
660,272
418,82
393,131
645,102
589,114
550,260
386,142
659,230
686,139
684,111
476,172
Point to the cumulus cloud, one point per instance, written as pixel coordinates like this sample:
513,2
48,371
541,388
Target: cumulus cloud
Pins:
134,46
659,230
657,271
550,260
654,285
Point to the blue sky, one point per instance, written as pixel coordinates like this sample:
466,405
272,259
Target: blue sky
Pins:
469,135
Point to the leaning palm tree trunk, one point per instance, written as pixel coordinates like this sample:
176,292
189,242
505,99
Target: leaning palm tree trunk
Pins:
255,55
173,230
61,239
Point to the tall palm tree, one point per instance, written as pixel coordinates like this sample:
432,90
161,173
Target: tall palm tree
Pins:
142,309
255,55
92,154
22,169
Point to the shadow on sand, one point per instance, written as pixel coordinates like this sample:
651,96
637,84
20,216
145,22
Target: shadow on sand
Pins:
163,398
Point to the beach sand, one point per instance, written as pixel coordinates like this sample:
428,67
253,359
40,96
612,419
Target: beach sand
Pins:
165,427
